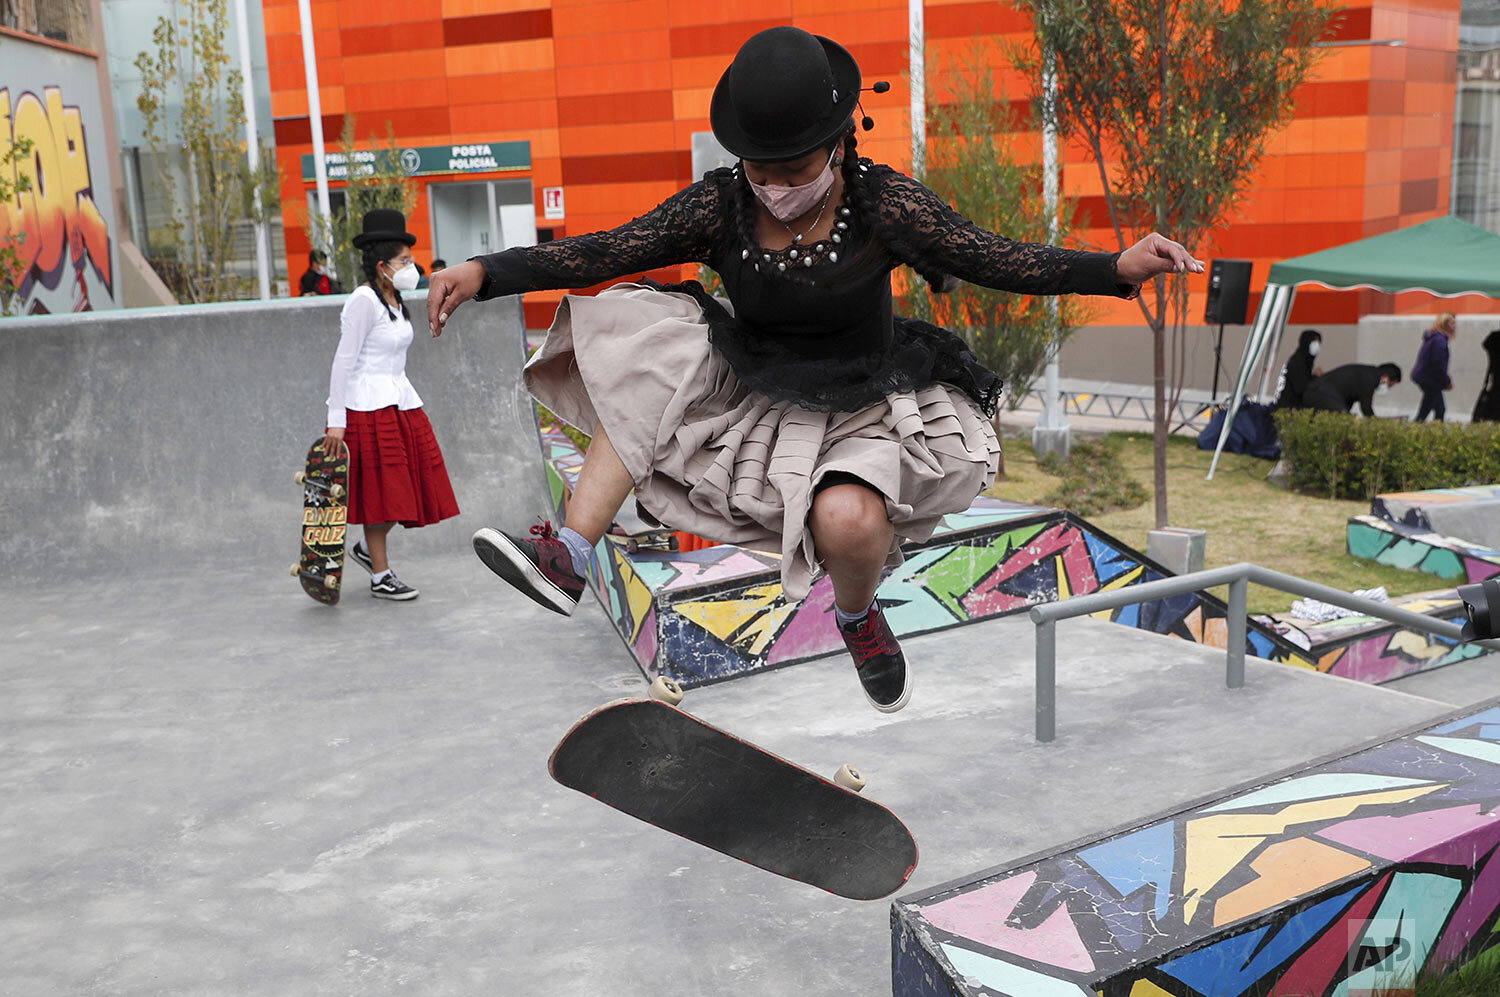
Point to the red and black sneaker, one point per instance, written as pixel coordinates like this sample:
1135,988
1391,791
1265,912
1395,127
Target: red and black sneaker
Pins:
879,661
542,568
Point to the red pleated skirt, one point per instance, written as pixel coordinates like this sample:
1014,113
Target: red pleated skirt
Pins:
396,470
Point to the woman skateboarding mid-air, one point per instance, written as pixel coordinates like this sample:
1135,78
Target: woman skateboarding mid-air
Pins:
801,415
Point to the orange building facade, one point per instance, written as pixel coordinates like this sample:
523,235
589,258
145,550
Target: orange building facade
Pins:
606,96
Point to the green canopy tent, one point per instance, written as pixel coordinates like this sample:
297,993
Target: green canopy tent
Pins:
1446,256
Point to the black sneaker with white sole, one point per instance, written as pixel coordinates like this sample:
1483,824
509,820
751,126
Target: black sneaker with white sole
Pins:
391,587
878,660
362,556
542,568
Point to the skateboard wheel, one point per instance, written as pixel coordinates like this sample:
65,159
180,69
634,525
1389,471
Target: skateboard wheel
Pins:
300,477
337,491
296,569
330,582
664,690
847,777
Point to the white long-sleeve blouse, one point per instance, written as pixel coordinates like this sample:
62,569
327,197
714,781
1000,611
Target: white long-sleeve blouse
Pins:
369,367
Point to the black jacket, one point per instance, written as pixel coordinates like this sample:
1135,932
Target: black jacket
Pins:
1342,387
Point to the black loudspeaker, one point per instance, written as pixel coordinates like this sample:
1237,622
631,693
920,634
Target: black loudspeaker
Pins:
1228,292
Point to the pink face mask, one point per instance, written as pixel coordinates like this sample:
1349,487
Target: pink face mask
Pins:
788,203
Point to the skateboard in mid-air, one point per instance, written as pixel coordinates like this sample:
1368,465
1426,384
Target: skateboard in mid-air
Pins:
651,759
325,514
636,530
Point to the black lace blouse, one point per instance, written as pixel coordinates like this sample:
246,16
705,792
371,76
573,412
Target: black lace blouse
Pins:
823,335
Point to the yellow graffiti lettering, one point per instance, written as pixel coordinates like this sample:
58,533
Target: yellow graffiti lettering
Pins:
56,213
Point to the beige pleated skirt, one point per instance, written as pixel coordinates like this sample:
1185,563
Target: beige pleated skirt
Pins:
711,457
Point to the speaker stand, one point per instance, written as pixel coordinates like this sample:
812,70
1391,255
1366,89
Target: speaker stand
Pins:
1218,363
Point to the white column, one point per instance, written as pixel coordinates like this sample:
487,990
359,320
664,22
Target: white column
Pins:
315,116
917,59
1051,433
252,146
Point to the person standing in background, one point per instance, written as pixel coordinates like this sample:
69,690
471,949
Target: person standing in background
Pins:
1299,371
396,469
1430,372
316,279
1487,408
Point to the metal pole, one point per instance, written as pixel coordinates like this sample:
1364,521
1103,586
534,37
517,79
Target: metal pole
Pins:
315,122
1051,433
252,147
1239,597
1046,681
917,61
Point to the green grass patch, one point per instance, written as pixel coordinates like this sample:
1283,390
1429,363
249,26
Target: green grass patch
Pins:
1093,480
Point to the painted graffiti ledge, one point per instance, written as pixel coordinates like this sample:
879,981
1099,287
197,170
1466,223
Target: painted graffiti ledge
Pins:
1344,878
1371,650
704,615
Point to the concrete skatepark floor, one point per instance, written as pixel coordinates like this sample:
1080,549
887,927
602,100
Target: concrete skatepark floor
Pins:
213,785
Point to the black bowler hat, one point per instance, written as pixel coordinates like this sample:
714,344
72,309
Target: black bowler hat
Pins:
787,93
384,225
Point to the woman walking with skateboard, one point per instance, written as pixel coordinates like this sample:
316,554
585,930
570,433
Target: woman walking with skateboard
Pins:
801,416
396,470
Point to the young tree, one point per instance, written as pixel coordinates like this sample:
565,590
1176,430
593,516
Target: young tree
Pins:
1182,95
375,179
203,173
972,167
13,184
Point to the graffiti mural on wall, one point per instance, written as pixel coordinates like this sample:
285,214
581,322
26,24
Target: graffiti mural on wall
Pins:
59,227
703,615
1347,878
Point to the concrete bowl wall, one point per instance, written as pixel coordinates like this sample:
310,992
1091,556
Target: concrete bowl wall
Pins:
141,439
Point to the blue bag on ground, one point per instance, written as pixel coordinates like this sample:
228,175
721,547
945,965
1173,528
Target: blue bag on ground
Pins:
1253,432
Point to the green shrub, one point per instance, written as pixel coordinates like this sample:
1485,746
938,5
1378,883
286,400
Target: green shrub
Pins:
1094,479
1341,456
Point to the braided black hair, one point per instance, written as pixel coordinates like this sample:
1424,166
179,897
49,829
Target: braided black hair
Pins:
373,255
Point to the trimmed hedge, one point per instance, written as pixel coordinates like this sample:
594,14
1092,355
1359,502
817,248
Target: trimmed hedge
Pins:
1341,456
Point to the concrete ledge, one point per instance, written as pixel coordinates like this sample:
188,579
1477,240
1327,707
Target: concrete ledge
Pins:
1369,649
1360,870
1417,549
701,616
1472,513
147,439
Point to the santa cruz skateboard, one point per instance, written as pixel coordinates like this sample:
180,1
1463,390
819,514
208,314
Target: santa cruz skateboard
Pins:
325,513
652,760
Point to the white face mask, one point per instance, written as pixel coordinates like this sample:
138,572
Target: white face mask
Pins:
1383,388
789,203
407,278
1314,347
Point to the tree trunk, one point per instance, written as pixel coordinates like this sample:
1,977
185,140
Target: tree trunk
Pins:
1159,427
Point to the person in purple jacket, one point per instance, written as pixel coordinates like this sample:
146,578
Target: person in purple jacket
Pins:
1430,372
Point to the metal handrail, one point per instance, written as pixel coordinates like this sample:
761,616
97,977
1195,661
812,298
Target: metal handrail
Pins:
1238,577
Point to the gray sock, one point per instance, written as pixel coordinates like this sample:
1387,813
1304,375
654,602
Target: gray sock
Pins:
845,619
582,551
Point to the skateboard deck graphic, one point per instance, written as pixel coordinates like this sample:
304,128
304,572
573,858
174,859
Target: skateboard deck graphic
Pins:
325,514
668,768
